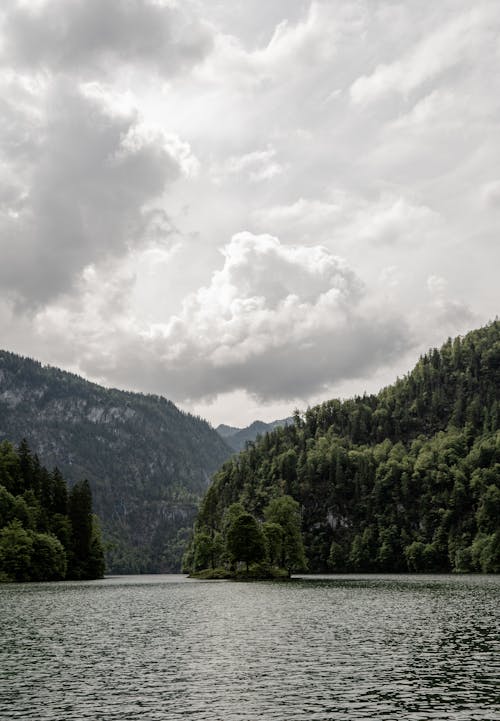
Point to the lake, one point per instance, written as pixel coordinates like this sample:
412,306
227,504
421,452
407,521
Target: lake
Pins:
323,647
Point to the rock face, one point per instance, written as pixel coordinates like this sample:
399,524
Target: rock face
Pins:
148,463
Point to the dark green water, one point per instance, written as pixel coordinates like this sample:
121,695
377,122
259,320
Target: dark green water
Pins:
163,647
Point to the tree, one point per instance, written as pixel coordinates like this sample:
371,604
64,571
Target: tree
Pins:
87,556
27,465
336,557
415,556
10,472
60,493
273,533
245,540
95,562
48,562
285,512
16,549
488,514
203,551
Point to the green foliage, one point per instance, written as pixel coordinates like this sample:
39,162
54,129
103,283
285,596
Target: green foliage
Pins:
204,553
95,565
16,551
336,558
485,552
245,540
408,479
49,561
39,541
274,539
488,513
80,516
273,534
284,512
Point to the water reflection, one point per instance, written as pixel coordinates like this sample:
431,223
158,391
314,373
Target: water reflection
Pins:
350,648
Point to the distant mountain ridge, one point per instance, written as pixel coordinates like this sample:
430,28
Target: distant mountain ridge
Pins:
237,438
147,462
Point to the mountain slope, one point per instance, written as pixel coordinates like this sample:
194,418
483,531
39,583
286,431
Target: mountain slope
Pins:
406,479
237,438
147,462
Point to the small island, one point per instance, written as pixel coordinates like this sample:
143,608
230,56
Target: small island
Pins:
247,548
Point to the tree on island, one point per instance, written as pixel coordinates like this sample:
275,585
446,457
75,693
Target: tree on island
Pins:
208,548
285,513
245,540
275,542
273,533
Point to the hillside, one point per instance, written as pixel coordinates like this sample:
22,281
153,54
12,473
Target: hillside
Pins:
237,438
148,463
408,479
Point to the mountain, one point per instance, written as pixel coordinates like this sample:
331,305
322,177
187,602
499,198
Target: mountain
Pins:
408,479
237,438
226,431
147,462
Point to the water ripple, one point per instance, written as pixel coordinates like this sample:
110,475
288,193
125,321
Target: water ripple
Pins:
317,649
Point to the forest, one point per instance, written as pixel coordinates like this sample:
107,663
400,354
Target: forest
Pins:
405,480
47,532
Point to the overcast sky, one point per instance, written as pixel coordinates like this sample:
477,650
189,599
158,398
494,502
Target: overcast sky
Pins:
247,206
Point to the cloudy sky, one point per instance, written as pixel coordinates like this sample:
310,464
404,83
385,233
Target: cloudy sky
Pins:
247,206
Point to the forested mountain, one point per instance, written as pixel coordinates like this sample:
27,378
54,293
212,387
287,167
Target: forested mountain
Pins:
238,437
47,533
408,479
147,463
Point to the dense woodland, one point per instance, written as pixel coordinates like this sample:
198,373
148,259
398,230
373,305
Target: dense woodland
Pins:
47,532
408,479
148,463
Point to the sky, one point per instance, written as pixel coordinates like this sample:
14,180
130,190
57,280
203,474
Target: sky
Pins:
245,206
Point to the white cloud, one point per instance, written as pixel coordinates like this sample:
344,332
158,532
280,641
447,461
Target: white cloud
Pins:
310,41
309,213
439,51
257,166
279,321
394,220
491,194
390,219
450,316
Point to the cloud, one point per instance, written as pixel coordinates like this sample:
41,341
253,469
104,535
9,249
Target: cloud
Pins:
308,213
91,35
450,316
389,220
437,52
256,166
491,194
88,191
394,220
311,42
279,321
